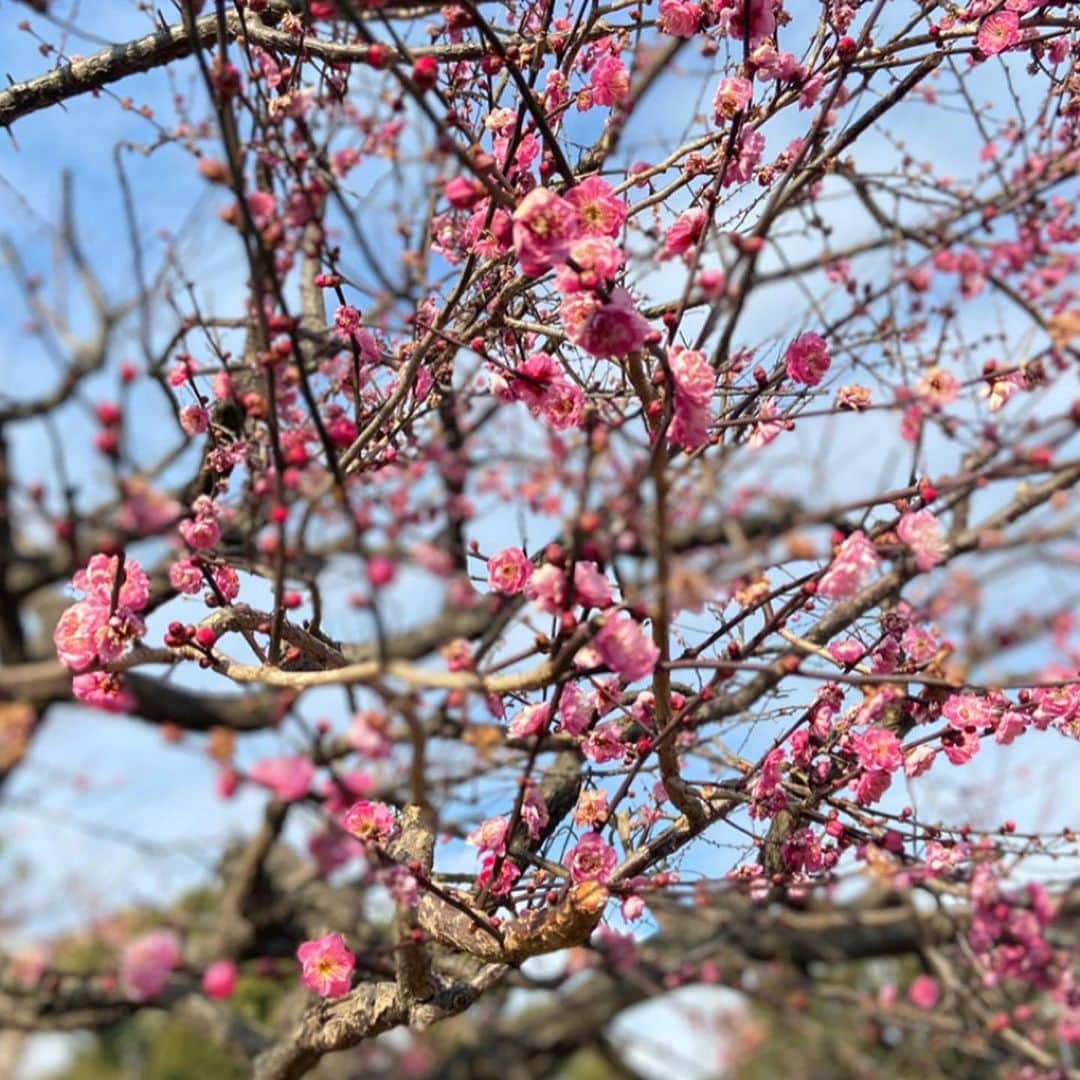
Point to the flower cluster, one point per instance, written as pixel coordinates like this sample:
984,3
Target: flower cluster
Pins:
100,628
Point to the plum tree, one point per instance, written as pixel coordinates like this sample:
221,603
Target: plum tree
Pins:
604,475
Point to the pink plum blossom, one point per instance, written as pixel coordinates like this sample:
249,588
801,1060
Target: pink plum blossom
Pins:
998,32
601,211
807,359
326,966
509,571
287,778
603,328
529,721
98,578
855,560
879,749
591,859
219,980
591,586
679,18
147,962
369,822
732,96
610,81
103,690
546,588
624,647
922,532
684,233
923,992
545,226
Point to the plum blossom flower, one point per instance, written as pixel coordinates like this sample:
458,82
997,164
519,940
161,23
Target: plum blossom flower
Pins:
464,192
370,822
921,531
741,167
623,646
530,721
402,885
146,963
201,531
610,81
679,18
770,63
76,632
288,778
591,859
91,630
509,872
145,510
610,328
801,852
960,746
332,849
349,329
546,588
871,785
596,259
854,561
807,358
195,420
563,406
937,388
97,580
684,233
998,32
186,577
326,966
603,743
227,581
918,761
767,427
103,690
532,380
846,652
545,226
601,211
695,381
368,735
509,571
490,835
591,586
731,97
219,980
575,711
592,808
923,992
534,812
853,397
752,21
879,749
966,711
1002,389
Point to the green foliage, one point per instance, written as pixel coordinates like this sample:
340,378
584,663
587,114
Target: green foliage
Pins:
152,1048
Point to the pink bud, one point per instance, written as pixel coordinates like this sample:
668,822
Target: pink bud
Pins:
219,980
380,571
